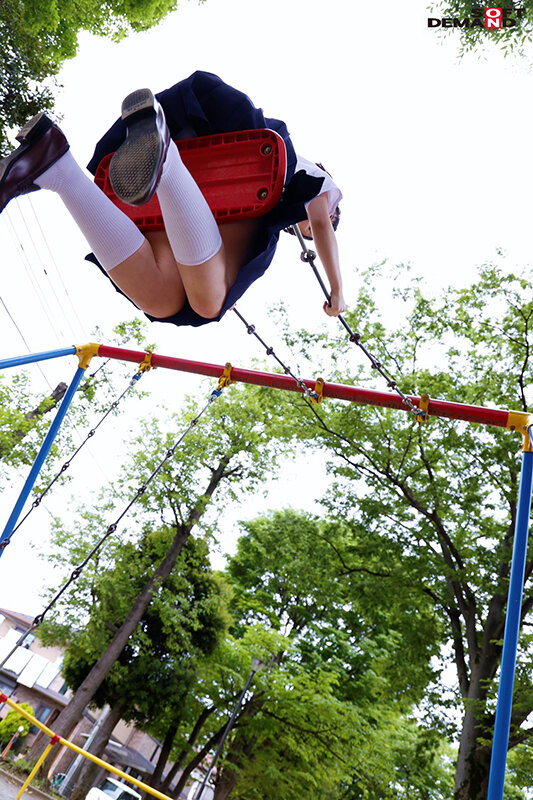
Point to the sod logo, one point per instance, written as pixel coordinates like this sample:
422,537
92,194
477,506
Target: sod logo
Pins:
493,18
490,17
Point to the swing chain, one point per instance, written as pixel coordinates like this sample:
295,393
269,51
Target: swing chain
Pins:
308,256
76,572
67,463
270,352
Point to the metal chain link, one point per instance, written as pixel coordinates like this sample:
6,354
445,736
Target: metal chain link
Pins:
308,256
76,572
98,369
67,463
270,352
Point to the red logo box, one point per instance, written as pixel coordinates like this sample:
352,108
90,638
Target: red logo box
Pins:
493,17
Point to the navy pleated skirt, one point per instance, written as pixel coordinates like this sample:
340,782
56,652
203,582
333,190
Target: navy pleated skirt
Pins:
201,105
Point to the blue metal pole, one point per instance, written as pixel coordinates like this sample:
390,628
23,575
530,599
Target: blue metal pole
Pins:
32,357
42,454
512,626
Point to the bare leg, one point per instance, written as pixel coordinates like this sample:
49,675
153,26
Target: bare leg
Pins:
150,277
157,284
207,285
194,258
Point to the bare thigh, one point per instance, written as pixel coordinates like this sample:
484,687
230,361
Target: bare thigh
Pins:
207,285
151,279
159,285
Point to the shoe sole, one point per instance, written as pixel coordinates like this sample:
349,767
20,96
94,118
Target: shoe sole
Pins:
34,128
134,167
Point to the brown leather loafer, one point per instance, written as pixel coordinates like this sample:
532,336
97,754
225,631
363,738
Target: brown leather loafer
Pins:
135,169
42,144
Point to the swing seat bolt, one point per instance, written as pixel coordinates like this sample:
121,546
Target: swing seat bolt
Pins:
266,149
262,194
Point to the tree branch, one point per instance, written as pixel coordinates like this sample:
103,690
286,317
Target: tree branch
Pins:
43,408
288,723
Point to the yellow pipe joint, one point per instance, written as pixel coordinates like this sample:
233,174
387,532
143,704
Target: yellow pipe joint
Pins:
319,391
521,422
85,352
225,379
146,364
423,409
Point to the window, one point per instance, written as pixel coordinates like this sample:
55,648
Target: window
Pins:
7,686
109,788
41,714
30,638
116,791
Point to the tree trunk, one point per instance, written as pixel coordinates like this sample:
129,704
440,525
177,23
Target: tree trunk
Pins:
164,786
197,759
88,771
43,408
226,786
239,754
473,760
157,777
473,764
86,691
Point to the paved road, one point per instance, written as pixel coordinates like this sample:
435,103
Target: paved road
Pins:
10,786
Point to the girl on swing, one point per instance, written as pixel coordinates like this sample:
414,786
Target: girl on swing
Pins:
193,271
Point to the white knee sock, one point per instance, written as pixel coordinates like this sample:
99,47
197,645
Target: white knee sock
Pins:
111,234
190,226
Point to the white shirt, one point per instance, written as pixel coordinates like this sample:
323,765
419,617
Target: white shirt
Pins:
329,187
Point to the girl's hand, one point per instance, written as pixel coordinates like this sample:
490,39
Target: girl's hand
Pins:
337,305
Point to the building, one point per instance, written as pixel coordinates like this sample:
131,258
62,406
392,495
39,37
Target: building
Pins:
32,674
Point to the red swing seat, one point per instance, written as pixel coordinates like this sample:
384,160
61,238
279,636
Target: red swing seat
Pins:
241,175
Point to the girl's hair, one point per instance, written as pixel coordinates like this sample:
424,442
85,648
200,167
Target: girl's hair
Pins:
335,217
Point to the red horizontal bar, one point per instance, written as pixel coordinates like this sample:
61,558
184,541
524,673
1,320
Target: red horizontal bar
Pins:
437,408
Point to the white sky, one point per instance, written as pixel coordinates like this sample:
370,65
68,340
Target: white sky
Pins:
432,155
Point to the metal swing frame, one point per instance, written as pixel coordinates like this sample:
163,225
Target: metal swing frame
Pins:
520,422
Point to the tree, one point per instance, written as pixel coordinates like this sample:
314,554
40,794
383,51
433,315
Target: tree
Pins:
37,37
206,709
514,35
234,448
15,422
24,418
336,696
24,412
13,721
157,666
329,705
277,720
305,709
442,495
